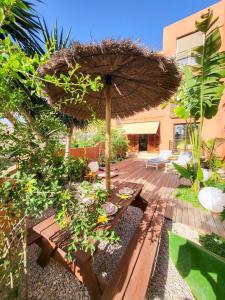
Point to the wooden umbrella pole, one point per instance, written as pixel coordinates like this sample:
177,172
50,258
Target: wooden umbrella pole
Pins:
108,134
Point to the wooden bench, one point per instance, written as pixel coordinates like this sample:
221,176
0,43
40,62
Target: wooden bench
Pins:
131,279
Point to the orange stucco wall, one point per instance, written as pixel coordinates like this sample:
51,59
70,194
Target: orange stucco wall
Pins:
90,153
187,25
212,128
166,123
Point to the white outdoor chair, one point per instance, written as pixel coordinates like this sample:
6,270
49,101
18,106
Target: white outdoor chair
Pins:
93,166
184,158
161,159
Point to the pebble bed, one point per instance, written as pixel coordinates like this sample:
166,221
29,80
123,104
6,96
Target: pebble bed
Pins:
108,256
166,282
55,282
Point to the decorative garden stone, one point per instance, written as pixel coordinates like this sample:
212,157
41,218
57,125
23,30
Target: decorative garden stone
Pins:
212,199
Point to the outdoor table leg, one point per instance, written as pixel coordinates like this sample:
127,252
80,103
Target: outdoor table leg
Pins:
47,251
140,203
84,262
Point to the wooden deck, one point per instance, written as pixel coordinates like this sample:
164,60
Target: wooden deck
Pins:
159,185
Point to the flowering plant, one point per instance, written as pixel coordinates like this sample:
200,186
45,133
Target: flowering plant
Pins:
80,213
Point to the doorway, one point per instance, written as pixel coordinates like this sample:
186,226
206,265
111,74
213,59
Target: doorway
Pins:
143,142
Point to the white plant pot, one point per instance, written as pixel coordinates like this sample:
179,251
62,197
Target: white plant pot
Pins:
206,174
212,199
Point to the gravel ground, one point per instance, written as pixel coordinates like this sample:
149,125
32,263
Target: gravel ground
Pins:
108,256
53,282
166,282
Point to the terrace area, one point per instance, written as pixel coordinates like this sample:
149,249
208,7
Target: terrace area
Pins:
112,155
181,217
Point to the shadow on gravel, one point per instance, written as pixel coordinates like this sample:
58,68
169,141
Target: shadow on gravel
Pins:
158,281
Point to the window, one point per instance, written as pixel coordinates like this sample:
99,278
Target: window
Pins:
181,132
185,46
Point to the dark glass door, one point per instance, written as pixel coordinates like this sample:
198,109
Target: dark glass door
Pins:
143,142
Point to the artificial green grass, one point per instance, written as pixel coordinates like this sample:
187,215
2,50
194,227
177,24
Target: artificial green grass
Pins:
186,193
203,271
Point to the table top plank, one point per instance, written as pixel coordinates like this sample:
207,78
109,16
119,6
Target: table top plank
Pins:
40,227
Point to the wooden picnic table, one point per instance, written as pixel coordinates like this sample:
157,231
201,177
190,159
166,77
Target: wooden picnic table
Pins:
54,241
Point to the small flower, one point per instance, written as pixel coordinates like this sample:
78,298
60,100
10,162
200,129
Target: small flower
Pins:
103,219
124,196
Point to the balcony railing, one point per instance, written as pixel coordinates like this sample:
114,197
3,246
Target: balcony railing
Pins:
185,58
178,145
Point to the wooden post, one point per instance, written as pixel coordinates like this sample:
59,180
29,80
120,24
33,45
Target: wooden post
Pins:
68,141
108,130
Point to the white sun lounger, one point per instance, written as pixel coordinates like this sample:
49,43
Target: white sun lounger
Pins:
160,160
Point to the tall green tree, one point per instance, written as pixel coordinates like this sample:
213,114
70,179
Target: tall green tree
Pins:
37,179
19,19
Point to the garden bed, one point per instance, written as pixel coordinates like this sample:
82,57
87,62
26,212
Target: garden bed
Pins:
187,194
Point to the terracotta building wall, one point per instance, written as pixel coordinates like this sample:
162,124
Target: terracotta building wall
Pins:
187,25
166,123
212,128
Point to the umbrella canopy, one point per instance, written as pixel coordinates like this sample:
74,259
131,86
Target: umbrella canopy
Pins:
134,78
140,78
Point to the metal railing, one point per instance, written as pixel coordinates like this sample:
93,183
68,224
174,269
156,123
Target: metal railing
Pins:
178,145
185,58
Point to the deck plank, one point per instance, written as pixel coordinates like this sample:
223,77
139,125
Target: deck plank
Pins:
162,184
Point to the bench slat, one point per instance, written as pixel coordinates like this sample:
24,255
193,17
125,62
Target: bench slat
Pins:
117,285
139,281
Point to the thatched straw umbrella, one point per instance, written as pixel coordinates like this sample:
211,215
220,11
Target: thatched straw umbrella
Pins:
134,78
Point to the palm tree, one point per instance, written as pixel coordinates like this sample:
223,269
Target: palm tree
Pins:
26,29
54,41
23,26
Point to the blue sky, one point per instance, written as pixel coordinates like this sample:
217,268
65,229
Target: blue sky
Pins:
139,19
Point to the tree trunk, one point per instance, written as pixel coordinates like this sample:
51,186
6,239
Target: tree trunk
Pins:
30,120
68,141
25,260
108,136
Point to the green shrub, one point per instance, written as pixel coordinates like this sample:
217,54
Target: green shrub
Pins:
188,172
83,139
213,243
119,141
187,194
96,134
75,168
216,181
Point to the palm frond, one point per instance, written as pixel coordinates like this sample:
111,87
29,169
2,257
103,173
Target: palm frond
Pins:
54,39
25,26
